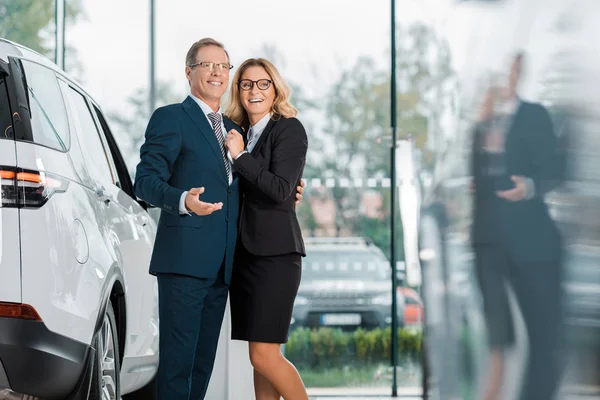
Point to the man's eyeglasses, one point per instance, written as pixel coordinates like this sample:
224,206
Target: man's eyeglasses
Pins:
262,84
211,65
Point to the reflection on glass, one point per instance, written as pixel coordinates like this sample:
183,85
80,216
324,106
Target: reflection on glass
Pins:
511,208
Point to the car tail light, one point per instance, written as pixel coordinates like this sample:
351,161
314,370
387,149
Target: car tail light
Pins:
28,189
19,311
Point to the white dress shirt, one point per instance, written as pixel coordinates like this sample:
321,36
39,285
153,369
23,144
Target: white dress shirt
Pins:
256,130
206,110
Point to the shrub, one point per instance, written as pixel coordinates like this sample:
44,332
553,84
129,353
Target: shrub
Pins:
330,347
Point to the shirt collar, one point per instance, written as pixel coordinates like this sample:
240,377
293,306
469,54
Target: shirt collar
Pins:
204,107
261,125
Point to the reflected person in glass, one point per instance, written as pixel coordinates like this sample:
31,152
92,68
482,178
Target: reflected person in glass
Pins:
516,242
268,259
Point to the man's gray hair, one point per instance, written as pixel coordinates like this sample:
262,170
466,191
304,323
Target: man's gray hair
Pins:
190,59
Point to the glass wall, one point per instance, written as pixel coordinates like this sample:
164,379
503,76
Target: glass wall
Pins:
336,58
510,284
455,62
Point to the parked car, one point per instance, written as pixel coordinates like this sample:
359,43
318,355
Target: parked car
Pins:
78,309
346,283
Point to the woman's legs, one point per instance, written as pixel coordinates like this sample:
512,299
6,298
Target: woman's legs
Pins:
263,389
269,363
492,270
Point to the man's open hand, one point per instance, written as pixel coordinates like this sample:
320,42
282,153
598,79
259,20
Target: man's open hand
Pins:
198,207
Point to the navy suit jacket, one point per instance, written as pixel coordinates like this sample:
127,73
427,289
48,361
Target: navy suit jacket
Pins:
181,152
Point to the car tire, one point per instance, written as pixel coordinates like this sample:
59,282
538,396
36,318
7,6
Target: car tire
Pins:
106,376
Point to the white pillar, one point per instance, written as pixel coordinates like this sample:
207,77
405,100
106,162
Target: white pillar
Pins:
232,374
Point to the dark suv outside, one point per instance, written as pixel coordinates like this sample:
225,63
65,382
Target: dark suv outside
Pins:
346,283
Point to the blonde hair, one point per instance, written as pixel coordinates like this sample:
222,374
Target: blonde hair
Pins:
281,105
190,58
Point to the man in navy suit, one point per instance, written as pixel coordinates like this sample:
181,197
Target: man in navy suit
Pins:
183,157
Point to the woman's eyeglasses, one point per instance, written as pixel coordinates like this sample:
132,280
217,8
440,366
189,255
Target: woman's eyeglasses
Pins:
262,84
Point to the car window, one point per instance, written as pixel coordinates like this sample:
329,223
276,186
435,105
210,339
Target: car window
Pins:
87,132
75,153
47,109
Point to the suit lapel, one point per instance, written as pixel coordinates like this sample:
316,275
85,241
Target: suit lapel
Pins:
262,137
516,137
513,125
197,116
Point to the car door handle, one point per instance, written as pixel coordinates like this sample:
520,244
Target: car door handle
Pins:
103,196
140,219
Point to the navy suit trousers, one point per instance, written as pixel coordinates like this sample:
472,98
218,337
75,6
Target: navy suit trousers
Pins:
191,312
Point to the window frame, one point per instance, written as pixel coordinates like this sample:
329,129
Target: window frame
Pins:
4,133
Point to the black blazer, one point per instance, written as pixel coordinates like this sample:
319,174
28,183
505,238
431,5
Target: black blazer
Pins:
268,225
526,226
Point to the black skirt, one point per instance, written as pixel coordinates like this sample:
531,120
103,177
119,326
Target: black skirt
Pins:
262,294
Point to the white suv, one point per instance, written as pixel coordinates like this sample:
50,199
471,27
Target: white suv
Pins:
78,309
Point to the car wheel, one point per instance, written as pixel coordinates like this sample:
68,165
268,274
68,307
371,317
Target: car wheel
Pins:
105,379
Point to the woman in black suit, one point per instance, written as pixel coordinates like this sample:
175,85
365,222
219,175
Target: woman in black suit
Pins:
268,263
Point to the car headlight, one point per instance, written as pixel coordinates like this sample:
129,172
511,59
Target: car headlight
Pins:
301,301
382,300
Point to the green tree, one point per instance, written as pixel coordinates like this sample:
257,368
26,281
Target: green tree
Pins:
358,114
31,22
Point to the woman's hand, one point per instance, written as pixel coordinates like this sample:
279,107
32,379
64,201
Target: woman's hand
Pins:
234,143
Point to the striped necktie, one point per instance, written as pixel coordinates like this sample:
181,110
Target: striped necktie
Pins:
215,120
250,145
